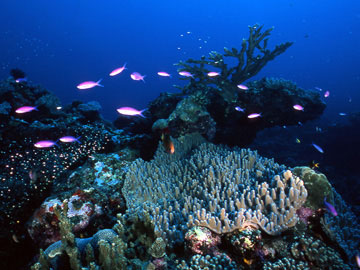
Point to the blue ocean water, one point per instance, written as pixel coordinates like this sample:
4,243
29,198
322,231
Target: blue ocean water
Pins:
62,43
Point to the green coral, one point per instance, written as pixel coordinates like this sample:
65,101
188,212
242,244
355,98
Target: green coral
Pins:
317,185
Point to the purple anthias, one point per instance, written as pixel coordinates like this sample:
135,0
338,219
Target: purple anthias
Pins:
254,115
130,111
136,76
89,84
25,109
330,208
69,139
118,70
44,144
298,107
185,74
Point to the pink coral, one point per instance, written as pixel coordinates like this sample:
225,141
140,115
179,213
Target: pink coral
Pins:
304,214
201,240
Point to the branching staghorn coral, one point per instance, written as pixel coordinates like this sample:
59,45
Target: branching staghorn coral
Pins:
214,187
251,58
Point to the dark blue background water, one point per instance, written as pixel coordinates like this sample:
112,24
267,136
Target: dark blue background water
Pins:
62,43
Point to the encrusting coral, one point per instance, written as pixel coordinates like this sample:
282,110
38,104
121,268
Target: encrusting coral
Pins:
214,187
317,185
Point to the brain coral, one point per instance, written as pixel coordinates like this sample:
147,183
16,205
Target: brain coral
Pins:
212,186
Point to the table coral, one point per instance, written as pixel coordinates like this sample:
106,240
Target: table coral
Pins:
213,187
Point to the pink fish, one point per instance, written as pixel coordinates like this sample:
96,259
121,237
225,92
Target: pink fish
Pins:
69,139
213,74
137,76
130,111
298,107
242,87
357,258
44,144
185,74
254,115
118,70
25,109
89,84
327,93
330,208
163,74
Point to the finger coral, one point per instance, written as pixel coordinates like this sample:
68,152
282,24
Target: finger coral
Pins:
215,187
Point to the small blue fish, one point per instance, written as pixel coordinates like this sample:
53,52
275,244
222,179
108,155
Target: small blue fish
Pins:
330,208
342,114
20,80
239,109
318,148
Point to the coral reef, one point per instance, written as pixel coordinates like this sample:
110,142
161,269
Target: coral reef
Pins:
213,187
208,262
200,240
104,249
207,112
344,228
247,66
28,174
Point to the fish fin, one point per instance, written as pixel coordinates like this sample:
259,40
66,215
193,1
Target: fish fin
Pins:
77,139
141,113
98,83
143,78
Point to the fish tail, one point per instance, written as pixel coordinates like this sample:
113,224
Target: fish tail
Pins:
98,83
141,113
143,78
77,139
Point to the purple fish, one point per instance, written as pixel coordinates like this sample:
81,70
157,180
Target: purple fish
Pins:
239,109
25,109
185,74
136,76
130,111
298,107
213,74
242,87
89,84
318,148
357,258
163,74
44,144
118,70
254,115
20,80
69,139
327,93
330,208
